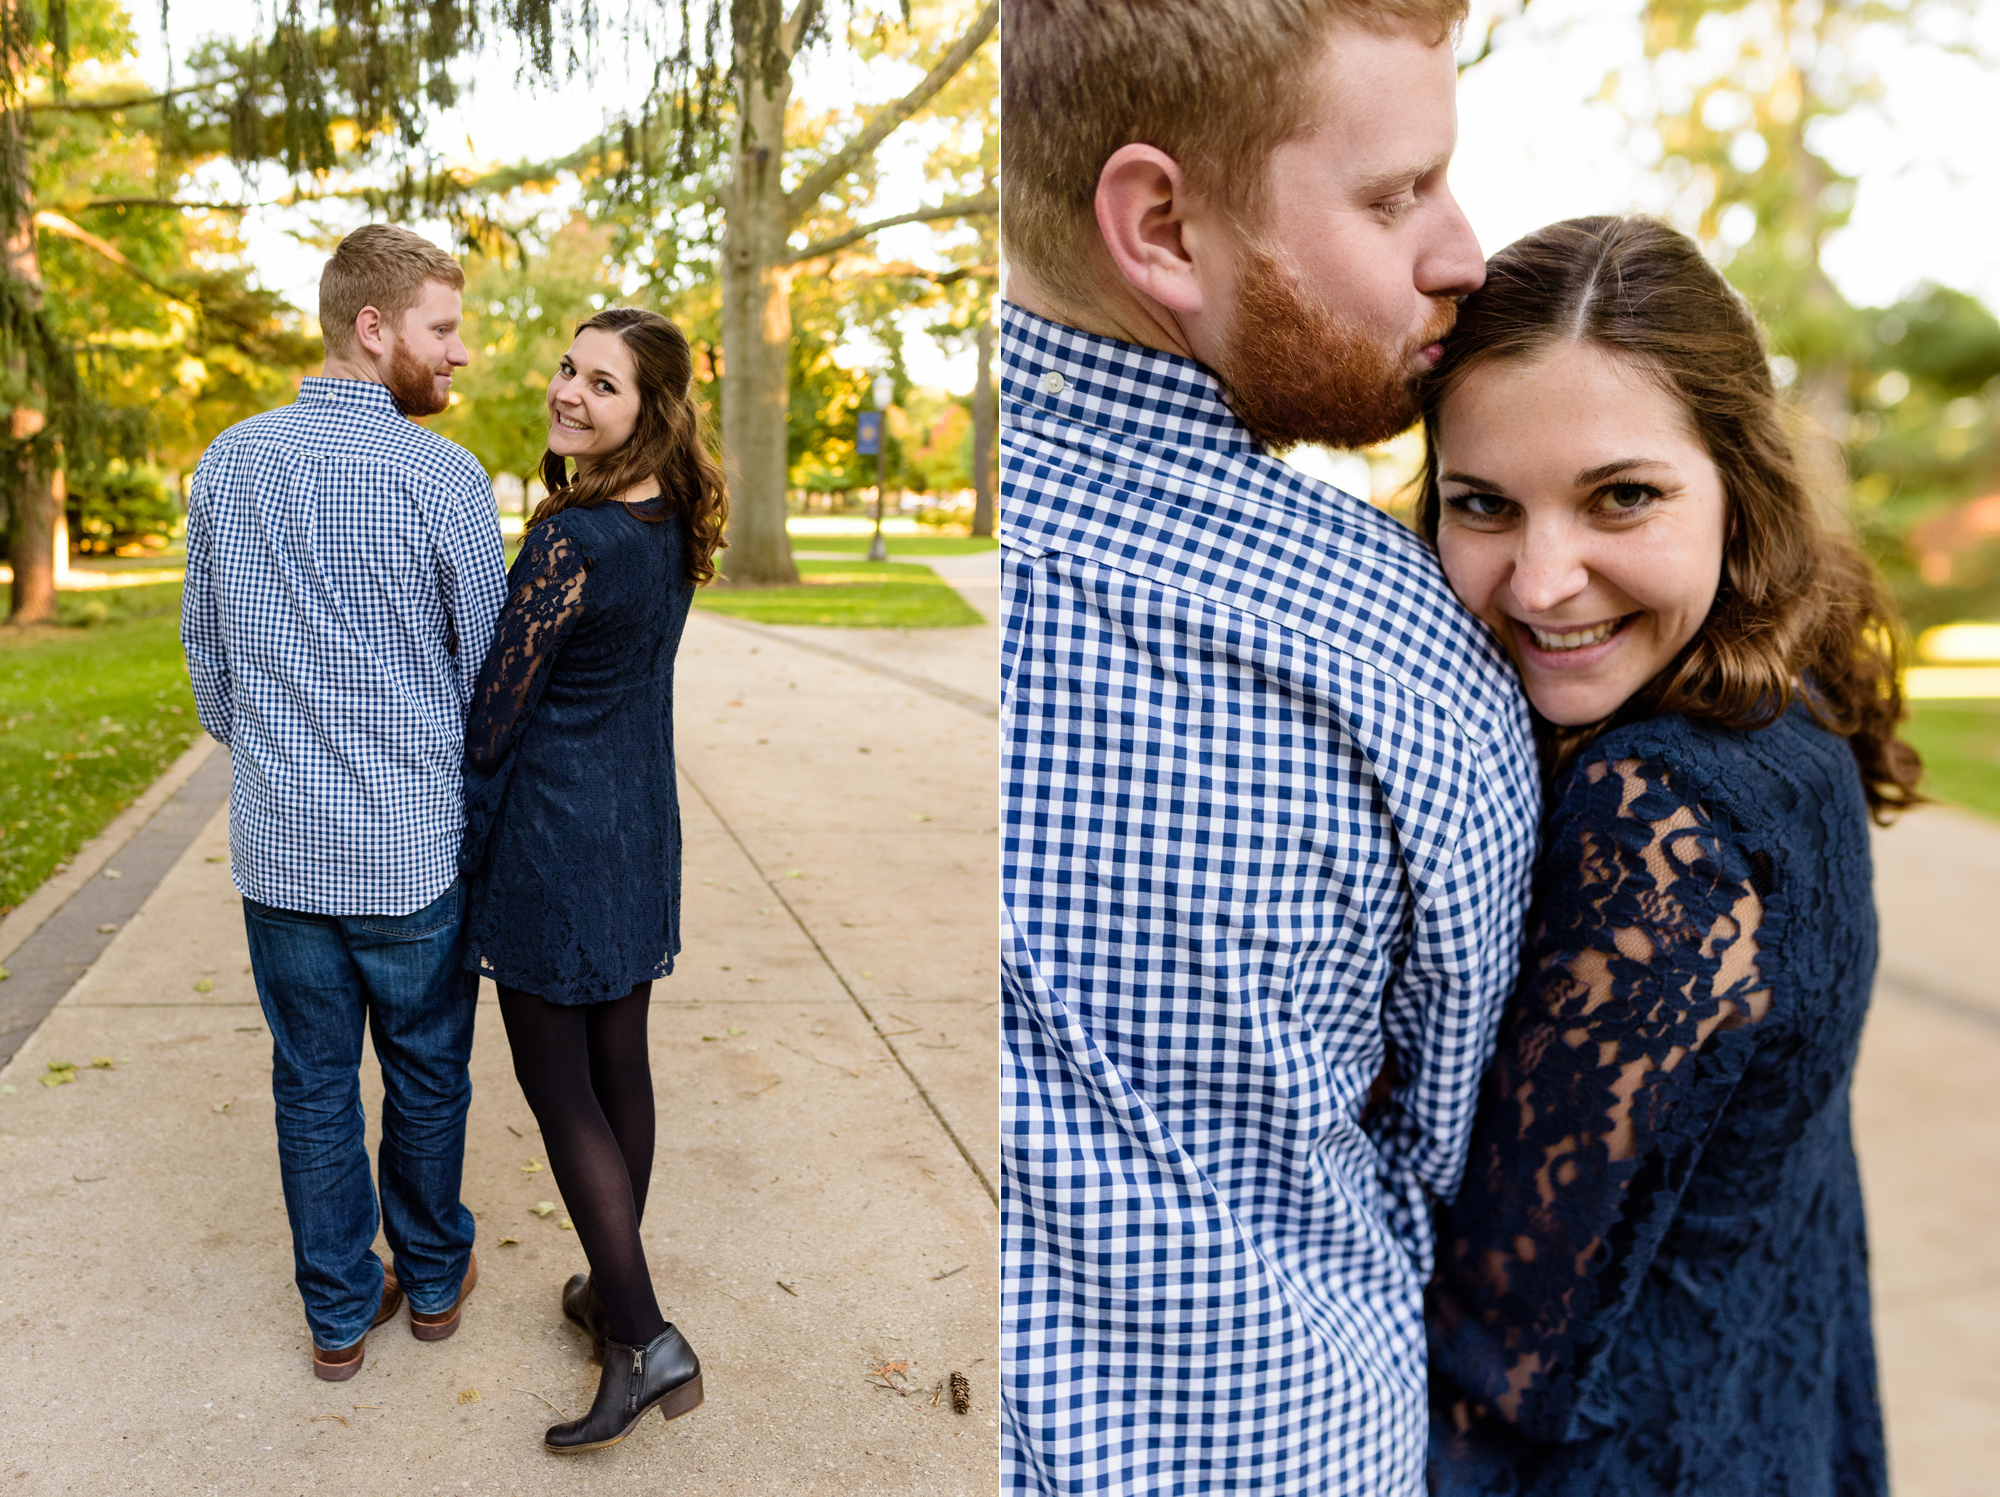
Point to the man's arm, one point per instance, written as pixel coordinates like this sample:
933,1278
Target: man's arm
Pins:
472,574
202,636
1442,1009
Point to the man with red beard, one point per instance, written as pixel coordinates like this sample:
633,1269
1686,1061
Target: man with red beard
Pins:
344,576
1270,792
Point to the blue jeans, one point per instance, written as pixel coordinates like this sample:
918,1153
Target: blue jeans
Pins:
320,978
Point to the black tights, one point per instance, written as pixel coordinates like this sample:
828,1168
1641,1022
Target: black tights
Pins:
589,1081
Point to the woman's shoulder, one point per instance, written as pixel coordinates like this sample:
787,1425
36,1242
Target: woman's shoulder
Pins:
1754,775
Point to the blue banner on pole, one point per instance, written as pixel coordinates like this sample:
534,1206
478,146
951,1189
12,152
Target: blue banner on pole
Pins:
868,434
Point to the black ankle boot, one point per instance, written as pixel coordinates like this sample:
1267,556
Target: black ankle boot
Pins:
581,1304
663,1374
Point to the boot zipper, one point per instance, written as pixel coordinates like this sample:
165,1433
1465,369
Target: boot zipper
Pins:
638,1379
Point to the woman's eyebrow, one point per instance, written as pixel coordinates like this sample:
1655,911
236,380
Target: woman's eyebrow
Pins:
1606,470
1472,481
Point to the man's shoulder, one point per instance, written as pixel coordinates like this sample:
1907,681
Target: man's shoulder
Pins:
352,433
1250,535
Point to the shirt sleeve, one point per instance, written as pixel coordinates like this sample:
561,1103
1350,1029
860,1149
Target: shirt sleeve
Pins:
544,605
1642,1004
201,621
472,579
1444,1002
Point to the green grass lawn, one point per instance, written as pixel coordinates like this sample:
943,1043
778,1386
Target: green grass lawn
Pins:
1960,742
899,545
849,594
91,712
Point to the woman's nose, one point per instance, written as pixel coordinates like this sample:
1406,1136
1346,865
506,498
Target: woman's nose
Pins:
1548,572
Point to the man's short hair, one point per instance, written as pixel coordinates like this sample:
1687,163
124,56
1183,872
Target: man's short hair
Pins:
1217,86
379,266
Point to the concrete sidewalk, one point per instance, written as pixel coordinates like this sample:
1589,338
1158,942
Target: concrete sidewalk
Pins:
821,1221
1927,1126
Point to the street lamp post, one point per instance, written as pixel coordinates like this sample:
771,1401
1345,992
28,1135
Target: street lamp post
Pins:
884,391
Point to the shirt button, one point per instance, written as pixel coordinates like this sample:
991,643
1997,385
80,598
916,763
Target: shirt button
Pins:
1052,383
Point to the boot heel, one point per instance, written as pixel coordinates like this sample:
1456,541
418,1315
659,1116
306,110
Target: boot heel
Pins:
683,1400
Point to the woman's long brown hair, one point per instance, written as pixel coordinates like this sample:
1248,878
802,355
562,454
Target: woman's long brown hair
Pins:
669,443
1799,613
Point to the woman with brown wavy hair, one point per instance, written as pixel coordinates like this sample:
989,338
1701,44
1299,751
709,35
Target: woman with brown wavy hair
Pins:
572,852
1653,1278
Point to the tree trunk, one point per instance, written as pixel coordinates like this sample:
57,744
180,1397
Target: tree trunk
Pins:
984,414
31,544
38,495
757,327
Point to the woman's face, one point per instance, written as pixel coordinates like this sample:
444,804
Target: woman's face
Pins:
593,398
1582,519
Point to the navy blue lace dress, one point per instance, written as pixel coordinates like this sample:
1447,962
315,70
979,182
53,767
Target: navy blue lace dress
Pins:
1654,1278
572,853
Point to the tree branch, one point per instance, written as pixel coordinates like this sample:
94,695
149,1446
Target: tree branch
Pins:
55,223
112,106
86,203
891,116
963,208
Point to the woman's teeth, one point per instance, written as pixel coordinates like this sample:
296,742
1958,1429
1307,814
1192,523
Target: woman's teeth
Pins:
1575,639
572,425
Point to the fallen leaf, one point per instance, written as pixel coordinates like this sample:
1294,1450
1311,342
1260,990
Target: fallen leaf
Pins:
734,1031
205,985
867,974
544,1209
58,1078
113,873
5,974
105,930
470,1395
919,816
567,1225
221,1106
795,874
218,858
103,1063
707,1037
532,1167
6,1091
510,1242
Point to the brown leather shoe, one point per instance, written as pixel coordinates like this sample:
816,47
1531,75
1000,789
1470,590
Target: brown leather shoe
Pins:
437,1327
339,1366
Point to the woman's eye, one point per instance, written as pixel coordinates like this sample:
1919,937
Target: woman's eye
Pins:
1479,506
1629,498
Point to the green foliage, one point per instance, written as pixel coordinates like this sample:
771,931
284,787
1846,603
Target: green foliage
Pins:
850,595
121,505
87,722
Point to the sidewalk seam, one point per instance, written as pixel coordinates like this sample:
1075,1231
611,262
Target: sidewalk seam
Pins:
908,678
841,978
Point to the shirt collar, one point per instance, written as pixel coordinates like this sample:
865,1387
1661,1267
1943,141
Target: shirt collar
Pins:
354,392
1051,370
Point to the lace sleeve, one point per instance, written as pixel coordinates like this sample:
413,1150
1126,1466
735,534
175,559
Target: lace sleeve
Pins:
1638,1011
544,602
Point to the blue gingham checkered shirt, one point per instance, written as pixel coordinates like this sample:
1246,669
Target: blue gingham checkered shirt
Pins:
1270,803
344,575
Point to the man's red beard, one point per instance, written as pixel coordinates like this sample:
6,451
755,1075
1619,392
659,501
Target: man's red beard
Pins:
412,385
1299,374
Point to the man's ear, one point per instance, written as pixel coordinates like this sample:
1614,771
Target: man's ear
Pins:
370,332
1142,212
